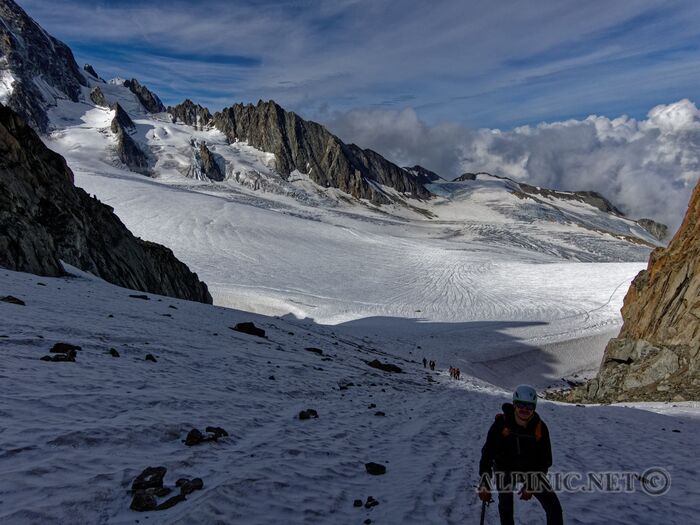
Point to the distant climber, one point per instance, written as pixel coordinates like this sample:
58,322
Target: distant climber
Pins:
425,362
518,449
432,365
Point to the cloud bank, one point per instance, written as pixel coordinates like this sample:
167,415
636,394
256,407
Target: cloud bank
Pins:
646,167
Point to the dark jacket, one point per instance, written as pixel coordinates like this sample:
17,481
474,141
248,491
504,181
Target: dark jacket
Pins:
512,448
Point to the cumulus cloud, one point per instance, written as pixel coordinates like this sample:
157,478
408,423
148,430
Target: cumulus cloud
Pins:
646,167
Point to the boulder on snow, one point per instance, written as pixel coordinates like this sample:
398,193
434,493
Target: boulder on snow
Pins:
148,486
371,502
61,358
308,414
63,348
249,328
387,367
12,300
375,469
195,437
150,478
150,357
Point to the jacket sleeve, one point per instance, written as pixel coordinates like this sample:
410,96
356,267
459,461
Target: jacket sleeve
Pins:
489,450
545,450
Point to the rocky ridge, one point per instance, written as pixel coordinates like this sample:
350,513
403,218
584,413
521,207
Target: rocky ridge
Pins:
45,219
191,114
309,148
98,97
420,171
147,98
656,356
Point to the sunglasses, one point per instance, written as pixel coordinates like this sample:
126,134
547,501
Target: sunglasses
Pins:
524,406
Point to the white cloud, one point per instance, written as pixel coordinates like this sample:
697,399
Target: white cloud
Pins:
647,167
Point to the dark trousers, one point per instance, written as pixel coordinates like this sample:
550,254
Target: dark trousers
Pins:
547,498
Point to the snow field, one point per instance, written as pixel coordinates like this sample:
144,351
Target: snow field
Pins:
75,435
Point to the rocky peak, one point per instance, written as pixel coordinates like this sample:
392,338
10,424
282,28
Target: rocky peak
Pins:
656,356
128,150
91,71
148,99
121,118
420,171
191,114
98,97
308,147
43,67
658,230
45,219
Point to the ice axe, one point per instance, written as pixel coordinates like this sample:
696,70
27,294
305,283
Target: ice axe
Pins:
484,504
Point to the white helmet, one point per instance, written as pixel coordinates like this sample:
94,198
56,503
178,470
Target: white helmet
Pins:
525,394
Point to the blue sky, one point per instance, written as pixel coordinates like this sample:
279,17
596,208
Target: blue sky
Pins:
474,63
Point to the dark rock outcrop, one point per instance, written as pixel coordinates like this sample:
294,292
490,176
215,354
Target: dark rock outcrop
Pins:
44,218
98,97
656,356
309,413
249,328
205,164
375,469
191,114
31,53
128,151
467,176
121,118
196,437
386,367
420,171
91,71
308,147
593,198
658,230
148,99
12,300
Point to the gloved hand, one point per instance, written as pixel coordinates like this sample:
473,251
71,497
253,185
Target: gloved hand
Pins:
484,494
525,495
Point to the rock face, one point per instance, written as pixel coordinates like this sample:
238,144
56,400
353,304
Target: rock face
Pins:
308,147
658,230
98,97
43,68
121,118
205,164
191,114
656,356
149,100
127,150
44,218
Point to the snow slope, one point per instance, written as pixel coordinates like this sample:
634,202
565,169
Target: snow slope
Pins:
73,436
